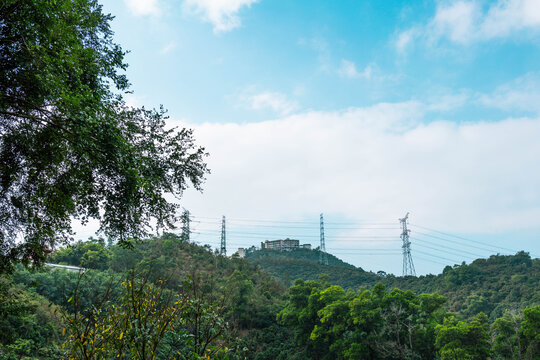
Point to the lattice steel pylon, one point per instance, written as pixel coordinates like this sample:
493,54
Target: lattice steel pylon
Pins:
323,257
185,225
223,250
408,266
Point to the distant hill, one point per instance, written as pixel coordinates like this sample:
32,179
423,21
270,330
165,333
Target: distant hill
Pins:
493,285
490,285
298,254
288,266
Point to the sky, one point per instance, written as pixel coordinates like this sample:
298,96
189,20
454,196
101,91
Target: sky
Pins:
360,110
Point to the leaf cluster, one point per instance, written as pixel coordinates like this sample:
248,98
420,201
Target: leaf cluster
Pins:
70,148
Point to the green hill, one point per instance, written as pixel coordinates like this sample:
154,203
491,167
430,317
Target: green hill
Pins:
490,285
287,266
242,298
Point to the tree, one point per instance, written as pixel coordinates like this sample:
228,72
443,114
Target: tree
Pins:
134,325
460,340
531,331
90,254
69,145
507,336
29,327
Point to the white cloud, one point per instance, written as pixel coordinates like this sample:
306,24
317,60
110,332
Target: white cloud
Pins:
144,7
457,21
375,163
405,39
522,94
508,16
223,14
275,101
464,22
348,70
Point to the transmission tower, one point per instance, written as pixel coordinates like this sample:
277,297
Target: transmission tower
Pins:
408,266
223,250
185,225
323,258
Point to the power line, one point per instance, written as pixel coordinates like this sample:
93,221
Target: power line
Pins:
433,261
295,222
436,256
360,233
290,236
448,247
446,251
462,238
454,241
368,227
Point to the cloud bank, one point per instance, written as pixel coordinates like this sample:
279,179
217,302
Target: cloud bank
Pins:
376,163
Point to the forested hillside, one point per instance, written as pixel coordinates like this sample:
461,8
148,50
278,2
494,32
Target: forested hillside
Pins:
228,308
288,266
491,285
221,297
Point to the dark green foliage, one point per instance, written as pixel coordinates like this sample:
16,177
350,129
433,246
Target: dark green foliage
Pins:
288,266
29,326
273,343
330,323
491,285
296,254
90,254
224,296
58,285
69,146
508,337
460,340
234,309
531,332
517,336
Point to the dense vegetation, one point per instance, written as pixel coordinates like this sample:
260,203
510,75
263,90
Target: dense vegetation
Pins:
202,300
288,266
491,285
169,298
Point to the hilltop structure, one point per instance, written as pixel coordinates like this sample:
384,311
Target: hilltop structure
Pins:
276,245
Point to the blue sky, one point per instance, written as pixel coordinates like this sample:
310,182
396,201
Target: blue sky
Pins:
360,110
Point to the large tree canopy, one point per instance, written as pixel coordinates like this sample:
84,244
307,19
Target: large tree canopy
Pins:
69,145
